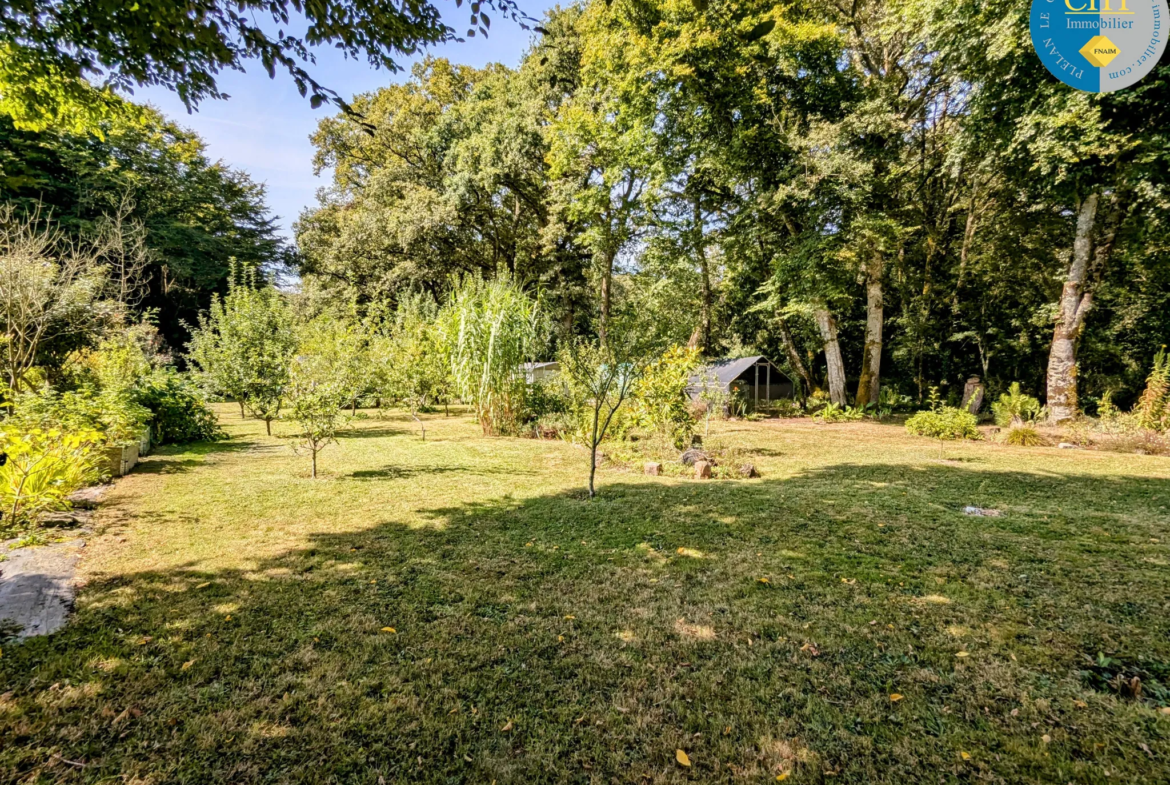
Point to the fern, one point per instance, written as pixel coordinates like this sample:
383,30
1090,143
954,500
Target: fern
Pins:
1153,408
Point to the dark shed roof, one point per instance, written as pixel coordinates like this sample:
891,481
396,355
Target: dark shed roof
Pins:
729,369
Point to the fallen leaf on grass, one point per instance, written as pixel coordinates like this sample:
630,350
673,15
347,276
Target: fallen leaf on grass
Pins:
203,585
1165,709
965,756
764,580
1046,739
896,696
782,777
682,758
962,654
527,545
507,727
187,665
690,552
389,629
570,617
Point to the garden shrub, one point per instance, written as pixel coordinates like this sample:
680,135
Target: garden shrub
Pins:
44,466
831,412
660,401
1015,408
179,412
114,415
545,398
787,408
943,422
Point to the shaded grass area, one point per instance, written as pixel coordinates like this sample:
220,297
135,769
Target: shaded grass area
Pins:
236,622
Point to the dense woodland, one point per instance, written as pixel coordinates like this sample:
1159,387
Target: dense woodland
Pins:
874,194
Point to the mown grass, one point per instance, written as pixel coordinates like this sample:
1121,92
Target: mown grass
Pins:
234,623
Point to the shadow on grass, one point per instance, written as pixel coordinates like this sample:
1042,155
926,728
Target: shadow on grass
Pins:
404,472
179,458
554,639
364,430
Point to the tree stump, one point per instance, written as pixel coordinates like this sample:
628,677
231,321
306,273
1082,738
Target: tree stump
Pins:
973,395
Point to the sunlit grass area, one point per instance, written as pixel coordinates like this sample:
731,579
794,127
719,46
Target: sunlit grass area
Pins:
455,610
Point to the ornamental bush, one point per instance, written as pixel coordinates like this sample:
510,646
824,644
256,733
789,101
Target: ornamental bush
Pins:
1015,408
43,466
944,422
179,410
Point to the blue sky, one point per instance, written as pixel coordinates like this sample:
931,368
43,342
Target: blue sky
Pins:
264,127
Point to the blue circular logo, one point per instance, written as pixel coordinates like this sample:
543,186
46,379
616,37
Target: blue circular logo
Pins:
1099,45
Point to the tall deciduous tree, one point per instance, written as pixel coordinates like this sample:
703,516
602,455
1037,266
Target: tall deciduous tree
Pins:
194,214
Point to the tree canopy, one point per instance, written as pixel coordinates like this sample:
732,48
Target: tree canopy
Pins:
197,215
848,189
51,51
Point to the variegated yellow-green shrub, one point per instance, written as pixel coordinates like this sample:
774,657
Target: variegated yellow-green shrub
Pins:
43,466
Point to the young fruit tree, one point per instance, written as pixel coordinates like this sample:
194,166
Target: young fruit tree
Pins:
600,378
417,368
323,379
243,347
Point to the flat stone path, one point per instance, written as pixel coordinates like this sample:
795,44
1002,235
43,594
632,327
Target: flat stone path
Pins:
36,587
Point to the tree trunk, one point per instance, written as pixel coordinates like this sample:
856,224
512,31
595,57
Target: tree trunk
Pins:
965,250
794,358
242,415
606,296
268,426
869,384
704,278
314,464
828,327
593,451
1075,303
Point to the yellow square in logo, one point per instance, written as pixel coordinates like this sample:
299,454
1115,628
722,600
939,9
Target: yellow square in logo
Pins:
1100,51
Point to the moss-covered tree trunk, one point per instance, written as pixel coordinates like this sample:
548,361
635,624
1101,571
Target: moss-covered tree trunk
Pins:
836,366
1074,304
869,383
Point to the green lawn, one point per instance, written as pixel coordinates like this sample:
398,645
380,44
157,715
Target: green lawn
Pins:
235,623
